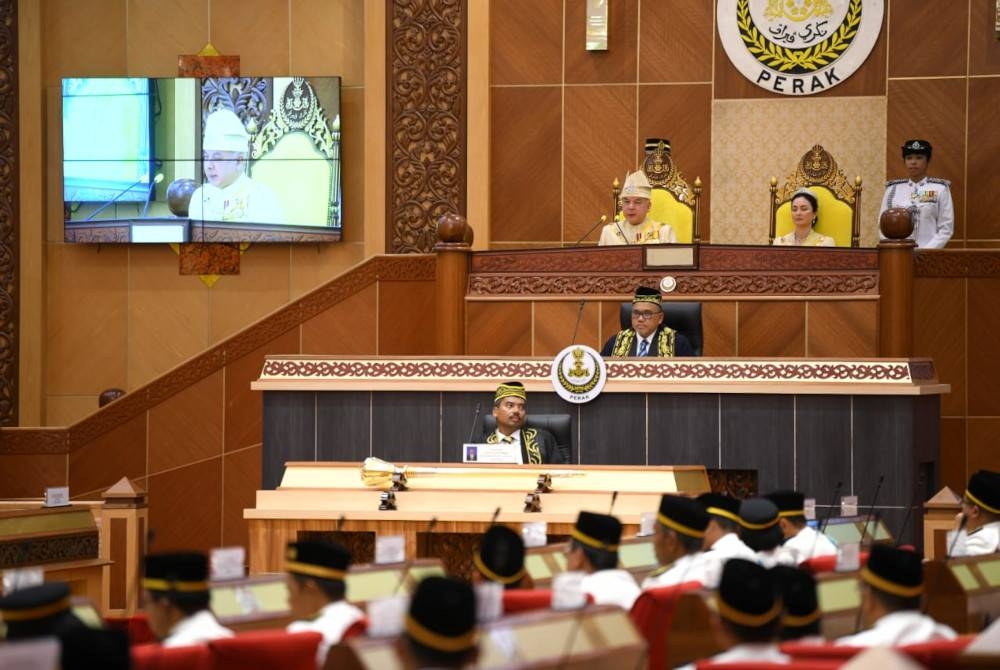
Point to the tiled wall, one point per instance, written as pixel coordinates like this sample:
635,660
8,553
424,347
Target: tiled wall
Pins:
566,122
118,316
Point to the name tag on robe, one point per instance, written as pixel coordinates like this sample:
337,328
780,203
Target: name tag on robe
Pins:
492,453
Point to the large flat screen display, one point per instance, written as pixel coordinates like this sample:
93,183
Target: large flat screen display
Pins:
245,159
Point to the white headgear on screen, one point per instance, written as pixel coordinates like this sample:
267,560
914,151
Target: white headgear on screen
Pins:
225,132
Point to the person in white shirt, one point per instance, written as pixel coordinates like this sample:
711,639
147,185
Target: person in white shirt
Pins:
440,627
593,549
510,409
722,540
749,614
804,542
800,617
891,590
677,542
635,226
176,594
979,521
927,198
759,530
229,194
316,592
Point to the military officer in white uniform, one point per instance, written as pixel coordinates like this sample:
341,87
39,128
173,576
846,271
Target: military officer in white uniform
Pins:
636,227
804,542
593,549
759,530
929,198
229,194
979,520
315,578
176,594
892,586
722,540
677,540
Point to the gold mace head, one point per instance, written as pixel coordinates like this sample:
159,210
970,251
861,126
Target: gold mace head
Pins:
375,471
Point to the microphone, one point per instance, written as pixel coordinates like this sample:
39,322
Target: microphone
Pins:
857,618
871,510
340,522
496,513
614,499
624,236
119,195
408,562
579,317
902,526
149,194
954,541
600,222
826,519
475,419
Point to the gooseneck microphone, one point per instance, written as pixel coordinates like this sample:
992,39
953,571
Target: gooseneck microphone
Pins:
600,222
149,194
156,180
826,520
871,510
475,419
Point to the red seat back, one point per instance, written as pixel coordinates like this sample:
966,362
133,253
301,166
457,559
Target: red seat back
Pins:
356,629
820,564
136,626
157,657
525,600
939,654
653,612
807,651
266,650
813,664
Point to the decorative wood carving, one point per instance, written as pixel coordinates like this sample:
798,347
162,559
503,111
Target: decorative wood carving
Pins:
739,484
59,549
614,259
958,263
785,259
687,284
454,549
426,103
40,441
9,214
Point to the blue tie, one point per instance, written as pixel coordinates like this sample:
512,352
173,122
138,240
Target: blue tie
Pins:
643,346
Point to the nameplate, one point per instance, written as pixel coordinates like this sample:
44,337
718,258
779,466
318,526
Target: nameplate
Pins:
390,549
535,534
809,509
849,506
227,563
22,578
57,496
480,452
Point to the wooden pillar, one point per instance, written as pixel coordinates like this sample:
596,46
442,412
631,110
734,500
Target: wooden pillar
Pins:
895,265
453,247
124,522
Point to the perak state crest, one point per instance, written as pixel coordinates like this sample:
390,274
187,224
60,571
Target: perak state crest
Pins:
798,47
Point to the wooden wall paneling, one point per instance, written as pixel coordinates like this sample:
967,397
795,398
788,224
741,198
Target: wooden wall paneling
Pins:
117,582
718,323
610,319
187,426
406,427
263,288
983,436
70,32
772,328
525,164
406,318
983,197
232,23
327,38
881,426
618,63
241,471
618,441
344,427
462,419
684,429
683,114
984,48
290,428
426,124
554,325
28,475
244,408
157,32
185,507
10,239
347,328
526,42
942,124
869,79
674,40
121,452
939,331
942,33
498,329
842,328
758,434
955,469
599,145
352,121
984,341
822,445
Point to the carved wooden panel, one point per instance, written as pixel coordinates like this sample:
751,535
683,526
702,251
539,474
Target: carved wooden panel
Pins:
9,222
948,263
426,132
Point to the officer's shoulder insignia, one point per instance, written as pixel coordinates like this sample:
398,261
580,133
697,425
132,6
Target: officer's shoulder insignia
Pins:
895,182
938,180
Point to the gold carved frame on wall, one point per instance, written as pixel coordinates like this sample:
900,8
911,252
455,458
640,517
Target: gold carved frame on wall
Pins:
818,168
663,174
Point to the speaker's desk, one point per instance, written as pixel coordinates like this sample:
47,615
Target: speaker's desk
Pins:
325,498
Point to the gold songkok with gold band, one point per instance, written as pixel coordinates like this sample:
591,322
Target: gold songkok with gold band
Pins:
324,560
898,572
510,390
439,642
173,585
597,531
682,515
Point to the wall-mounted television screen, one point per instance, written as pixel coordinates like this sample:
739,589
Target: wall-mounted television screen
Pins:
243,159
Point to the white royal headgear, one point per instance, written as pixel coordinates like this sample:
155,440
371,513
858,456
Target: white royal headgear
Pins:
636,186
225,132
